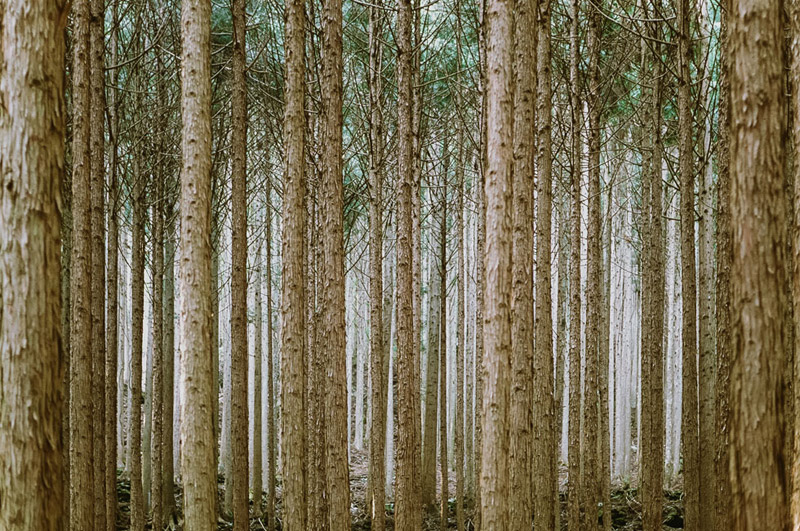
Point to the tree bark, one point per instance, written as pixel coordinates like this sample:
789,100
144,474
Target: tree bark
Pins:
197,398
759,278
32,136
498,261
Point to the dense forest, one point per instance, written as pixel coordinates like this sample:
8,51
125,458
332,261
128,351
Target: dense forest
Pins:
358,264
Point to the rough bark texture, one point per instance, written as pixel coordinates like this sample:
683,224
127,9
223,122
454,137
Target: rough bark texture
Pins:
723,518
794,10
256,481
377,438
198,398
167,459
239,352
441,269
497,259
97,164
271,429
32,130
652,349
335,381
156,441
546,427
759,278
293,328
689,410
407,497
81,412
574,487
521,415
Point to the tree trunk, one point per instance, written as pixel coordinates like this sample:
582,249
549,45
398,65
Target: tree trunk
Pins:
271,428
498,260
759,277
32,129
156,441
293,278
441,269
168,362
521,421
197,398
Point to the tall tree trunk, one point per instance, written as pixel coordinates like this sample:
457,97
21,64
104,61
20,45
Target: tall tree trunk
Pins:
293,298
97,163
335,384
271,428
546,420
407,497
759,277
32,129
156,441
112,289
521,415
81,412
575,452
689,421
498,260
377,437
239,348
441,269
653,282
198,469
256,484
723,520
168,362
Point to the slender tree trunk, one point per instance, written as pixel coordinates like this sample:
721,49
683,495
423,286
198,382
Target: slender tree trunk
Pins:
498,260
723,518
156,441
32,133
239,348
271,428
377,437
546,424
198,469
335,384
521,415
97,163
407,497
293,298
258,355
81,412
441,269
112,291
575,488
168,363
689,422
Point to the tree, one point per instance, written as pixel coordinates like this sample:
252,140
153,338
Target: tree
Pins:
81,360
407,497
758,274
156,441
522,305
32,135
197,432
293,373
441,269
239,352
497,261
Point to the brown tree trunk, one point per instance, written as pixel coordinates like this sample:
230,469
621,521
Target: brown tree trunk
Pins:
97,164
258,354
198,398
689,422
498,260
723,520
271,437
794,11
407,496
239,352
377,445
156,445
653,282
575,452
521,415
441,269
759,277
81,360
293,329
168,363
32,133
546,425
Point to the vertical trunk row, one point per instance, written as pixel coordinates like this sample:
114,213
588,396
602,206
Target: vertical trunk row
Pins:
759,277
497,261
198,399
32,135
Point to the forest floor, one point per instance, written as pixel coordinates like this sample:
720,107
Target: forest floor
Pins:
625,507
